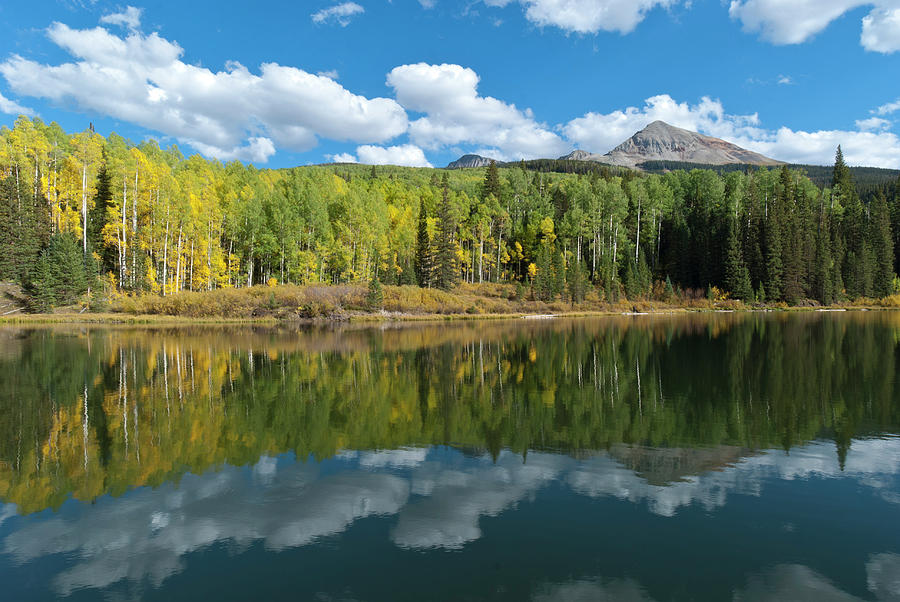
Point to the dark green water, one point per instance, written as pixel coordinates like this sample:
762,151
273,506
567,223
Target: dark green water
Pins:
705,457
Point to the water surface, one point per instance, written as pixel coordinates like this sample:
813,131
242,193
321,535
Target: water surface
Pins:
702,457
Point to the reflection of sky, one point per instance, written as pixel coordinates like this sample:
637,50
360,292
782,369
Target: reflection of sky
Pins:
437,500
784,582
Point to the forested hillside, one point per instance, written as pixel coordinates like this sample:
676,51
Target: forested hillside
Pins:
80,212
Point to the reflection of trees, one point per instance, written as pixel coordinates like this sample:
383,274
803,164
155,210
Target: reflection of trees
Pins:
163,402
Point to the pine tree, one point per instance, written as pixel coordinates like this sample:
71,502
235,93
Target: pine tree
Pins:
424,261
491,181
543,279
558,283
375,295
576,280
59,277
774,266
737,276
446,246
882,245
822,288
895,224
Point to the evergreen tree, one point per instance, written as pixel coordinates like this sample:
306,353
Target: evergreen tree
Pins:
543,279
882,243
558,281
822,288
774,266
59,277
576,280
424,261
447,272
491,184
737,276
375,295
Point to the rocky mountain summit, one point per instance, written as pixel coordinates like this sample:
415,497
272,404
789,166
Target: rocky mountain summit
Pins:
660,141
467,161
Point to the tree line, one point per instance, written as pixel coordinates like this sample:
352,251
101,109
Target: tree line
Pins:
82,213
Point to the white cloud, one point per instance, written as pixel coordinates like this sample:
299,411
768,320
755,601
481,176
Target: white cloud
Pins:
13,108
428,3
873,124
227,114
456,114
407,155
887,109
342,158
330,74
339,13
785,80
130,18
598,132
881,30
797,21
587,16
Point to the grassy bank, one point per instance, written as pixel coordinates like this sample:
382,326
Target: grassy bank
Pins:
264,304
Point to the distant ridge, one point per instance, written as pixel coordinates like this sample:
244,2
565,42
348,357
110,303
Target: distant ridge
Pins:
469,161
660,141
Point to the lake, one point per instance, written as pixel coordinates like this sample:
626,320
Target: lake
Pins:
695,457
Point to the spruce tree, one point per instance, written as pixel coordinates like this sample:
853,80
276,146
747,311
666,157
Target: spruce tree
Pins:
774,266
59,277
558,282
576,280
491,184
737,276
882,244
446,245
424,261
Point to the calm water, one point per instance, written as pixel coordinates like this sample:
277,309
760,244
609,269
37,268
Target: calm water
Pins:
744,457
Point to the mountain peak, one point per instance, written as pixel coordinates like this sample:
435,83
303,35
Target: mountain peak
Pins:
468,161
660,141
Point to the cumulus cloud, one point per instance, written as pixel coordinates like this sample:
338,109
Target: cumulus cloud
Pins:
130,18
455,114
887,109
881,30
228,114
600,132
407,155
339,13
797,21
587,16
873,124
13,108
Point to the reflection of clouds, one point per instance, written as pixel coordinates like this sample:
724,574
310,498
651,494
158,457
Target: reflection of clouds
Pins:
395,458
145,534
872,462
618,590
777,584
883,576
7,511
797,582
457,498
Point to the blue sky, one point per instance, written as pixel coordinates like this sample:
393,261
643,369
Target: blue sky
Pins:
422,81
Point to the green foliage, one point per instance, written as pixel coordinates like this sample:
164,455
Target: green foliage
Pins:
375,295
160,223
59,277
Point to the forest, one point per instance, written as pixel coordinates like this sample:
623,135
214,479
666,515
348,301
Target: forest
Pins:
84,218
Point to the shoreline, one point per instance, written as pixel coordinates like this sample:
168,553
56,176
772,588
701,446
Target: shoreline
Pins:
389,317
